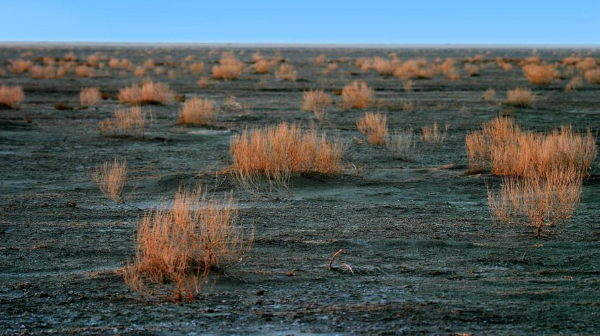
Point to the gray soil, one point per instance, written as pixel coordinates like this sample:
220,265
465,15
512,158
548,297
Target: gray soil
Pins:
427,258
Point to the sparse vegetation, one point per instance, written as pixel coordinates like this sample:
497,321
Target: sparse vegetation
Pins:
401,144
11,96
197,68
574,84
275,153
374,126
229,67
433,134
357,95
130,121
149,93
593,76
198,111
178,247
287,72
520,97
89,97
489,94
111,178
541,74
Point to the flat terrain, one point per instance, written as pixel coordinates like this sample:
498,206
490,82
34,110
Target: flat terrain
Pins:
426,255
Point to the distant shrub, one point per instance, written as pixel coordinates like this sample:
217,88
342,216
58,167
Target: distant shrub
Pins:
574,84
129,121
357,95
89,97
11,96
401,144
229,67
197,68
20,65
433,134
286,72
149,93
374,126
111,178
520,97
263,66
593,76
198,111
541,74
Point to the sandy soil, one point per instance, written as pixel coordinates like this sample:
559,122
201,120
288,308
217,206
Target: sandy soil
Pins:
426,255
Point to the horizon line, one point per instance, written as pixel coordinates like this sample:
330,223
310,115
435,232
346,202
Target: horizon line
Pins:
302,45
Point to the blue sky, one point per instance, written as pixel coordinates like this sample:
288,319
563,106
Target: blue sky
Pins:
308,21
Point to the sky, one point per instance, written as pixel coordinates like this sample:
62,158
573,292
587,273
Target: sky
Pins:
306,21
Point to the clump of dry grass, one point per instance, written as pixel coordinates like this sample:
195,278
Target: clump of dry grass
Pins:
111,178
374,126
149,93
450,70
287,72
46,72
588,63
275,153
385,67
315,100
139,71
320,60
401,144
20,65
203,82
129,121
89,97
507,150
357,95
540,202
433,134
574,84
196,68
11,96
416,68
488,94
593,76
178,247
263,66
229,67
520,97
541,73
198,111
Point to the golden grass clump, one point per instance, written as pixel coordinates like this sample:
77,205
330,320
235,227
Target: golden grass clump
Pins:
84,71
374,126
385,67
541,73
139,71
11,96
20,65
196,68
46,72
287,72
315,100
111,178
541,202
178,247
489,94
520,97
574,84
593,76
320,60
149,93
401,143
357,95
203,82
89,97
506,150
449,69
129,121
588,63
433,134
416,68
263,66
229,67
198,111
275,153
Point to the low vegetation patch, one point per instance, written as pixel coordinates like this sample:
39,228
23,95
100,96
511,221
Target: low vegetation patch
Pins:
89,97
111,177
374,126
229,67
130,121
11,96
357,95
148,93
198,111
520,97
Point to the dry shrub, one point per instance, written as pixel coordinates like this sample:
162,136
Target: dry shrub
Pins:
84,71
450,70
588,63
129,121
574,84
541,202
374,126
488,94
94,59
110,178
229,67
330,67
541,74
416,68
505,65
521,97
571,60
472,70
20,65
140,72
11,96
114,63
593,76
408,85
196,68
178,247
433,134
47,72
320,60
505,149
315,100
149,63
203,82
275,153
286,72
197,111
385,67
159,71
264,66
401,144
148,93
89,96
357,95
